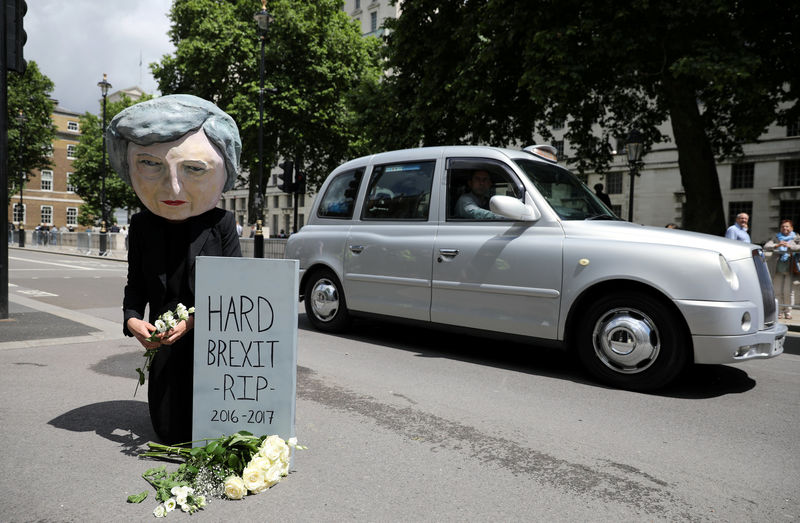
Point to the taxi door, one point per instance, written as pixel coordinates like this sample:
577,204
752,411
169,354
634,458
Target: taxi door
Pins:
387,258
494,273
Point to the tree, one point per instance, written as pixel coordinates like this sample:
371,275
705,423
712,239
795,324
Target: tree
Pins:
315,56
500,71
30,141
87,177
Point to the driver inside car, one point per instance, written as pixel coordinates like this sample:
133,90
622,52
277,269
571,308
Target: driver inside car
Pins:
475,203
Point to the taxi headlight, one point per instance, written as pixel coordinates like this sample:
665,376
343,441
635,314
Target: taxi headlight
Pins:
728,273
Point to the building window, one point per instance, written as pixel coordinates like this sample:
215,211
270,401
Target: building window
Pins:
791,173
558,125
70,187
276,201
274,179
72,126
301,200
614,183
19,213
790,210
301,220
736,208
71,149
742,175
793,129
47,180
373,22
47,214
559,145
274,231
358,4
72,216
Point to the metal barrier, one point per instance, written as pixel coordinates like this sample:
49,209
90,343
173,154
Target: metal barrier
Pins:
88,242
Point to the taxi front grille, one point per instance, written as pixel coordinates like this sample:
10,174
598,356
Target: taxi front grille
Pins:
767,292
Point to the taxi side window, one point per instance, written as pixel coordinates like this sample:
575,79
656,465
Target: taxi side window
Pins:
399,192
470,186
339,199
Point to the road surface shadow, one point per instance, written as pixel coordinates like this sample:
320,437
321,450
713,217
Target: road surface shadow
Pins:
126,422
697,382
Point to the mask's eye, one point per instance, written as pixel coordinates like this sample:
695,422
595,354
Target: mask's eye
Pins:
148,166
195,169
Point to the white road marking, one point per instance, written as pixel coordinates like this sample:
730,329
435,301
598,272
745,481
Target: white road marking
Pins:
26,260
35,292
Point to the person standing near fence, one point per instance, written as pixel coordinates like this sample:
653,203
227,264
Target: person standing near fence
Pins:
785,246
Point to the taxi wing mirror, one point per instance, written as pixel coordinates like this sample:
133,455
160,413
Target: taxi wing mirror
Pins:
514,209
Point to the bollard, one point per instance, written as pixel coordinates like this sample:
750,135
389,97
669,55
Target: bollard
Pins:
258,242
103,239
21,235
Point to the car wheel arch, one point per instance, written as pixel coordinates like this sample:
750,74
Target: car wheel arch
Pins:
313,270
618,286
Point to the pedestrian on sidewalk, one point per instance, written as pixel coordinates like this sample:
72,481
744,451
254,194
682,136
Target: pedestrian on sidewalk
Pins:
738,231
784,246
179,153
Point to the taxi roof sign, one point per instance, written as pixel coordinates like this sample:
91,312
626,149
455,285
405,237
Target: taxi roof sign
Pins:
545,152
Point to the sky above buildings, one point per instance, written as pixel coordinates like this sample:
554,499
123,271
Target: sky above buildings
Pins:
74,42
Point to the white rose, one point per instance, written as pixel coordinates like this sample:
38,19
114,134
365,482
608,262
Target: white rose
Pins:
183,315
172,323
191,310
170,504
160,511
201,501
161,326
253,478
274,474
234,487
166,316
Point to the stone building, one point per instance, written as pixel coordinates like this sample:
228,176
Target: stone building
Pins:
764,183
47,197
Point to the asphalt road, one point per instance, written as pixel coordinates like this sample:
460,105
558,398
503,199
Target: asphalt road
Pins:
406,424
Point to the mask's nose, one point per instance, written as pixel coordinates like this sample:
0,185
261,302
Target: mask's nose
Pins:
173,181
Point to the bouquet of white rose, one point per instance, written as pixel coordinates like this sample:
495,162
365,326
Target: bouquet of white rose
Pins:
165,322
217,470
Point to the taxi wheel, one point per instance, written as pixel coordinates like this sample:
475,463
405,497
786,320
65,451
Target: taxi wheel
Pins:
632,341
326,307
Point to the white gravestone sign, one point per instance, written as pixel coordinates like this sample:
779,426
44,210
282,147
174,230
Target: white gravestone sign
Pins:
245,347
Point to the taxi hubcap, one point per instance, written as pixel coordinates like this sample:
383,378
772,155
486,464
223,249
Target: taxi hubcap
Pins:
626,340
324,300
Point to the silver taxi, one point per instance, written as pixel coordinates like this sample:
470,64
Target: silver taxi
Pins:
509,242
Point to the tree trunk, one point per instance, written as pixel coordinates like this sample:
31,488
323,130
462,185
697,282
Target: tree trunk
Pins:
703,211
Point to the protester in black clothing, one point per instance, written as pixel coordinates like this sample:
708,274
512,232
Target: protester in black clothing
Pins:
179,153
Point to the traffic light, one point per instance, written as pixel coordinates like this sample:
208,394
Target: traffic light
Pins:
286,183
15,35
300,181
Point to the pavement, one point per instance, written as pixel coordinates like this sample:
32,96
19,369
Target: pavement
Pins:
73,429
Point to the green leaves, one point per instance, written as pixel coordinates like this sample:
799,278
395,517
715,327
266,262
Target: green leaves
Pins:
315,58
137,498
29,141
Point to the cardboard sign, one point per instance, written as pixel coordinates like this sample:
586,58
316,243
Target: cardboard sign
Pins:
245,347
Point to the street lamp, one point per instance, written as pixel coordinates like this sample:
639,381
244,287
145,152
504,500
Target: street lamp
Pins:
634,148
21,233
263,20
104,87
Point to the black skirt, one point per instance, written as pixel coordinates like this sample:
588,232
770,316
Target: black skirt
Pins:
169,391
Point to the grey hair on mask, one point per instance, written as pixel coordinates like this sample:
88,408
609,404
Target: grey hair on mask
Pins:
166,119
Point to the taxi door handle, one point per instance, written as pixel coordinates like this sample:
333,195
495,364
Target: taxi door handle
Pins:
356,249
446,253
